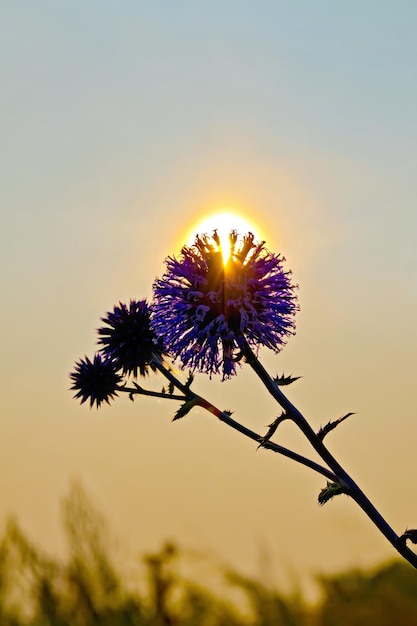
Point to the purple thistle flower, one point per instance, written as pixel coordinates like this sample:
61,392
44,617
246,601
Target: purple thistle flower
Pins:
202,307
128,338
96,380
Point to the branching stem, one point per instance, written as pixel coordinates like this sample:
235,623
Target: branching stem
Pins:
342,477
227,419
147,392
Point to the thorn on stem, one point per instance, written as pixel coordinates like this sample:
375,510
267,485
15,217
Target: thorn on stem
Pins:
330,491
189,380
332,425
272,428
411,534
282,381
184,409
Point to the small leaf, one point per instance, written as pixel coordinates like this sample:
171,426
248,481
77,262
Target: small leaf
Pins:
332,425
328,492
229,413
410,534
189,380
272,428
171,388
184,409
283,380
132,396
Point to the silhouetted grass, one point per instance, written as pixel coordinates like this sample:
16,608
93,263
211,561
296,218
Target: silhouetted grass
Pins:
87,589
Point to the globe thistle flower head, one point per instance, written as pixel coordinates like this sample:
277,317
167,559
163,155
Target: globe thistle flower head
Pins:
128,339
95,380
203,307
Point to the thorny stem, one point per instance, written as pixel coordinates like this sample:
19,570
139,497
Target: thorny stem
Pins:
148,392
270,445
227,419
342,477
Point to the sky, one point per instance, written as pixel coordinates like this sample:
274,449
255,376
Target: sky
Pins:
123,126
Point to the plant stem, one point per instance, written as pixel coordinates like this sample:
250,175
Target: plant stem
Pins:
227,419
147,392
343,477
270,445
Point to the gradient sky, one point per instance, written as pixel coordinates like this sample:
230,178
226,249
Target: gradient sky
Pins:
122,125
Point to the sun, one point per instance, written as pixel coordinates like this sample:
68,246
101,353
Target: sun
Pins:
224,222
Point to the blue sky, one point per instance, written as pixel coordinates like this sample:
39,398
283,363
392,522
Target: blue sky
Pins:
121,124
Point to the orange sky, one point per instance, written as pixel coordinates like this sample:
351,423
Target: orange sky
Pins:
121,131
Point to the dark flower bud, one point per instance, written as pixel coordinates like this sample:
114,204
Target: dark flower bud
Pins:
128,338
95,380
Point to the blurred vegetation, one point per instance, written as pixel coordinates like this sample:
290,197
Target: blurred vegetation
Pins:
88,589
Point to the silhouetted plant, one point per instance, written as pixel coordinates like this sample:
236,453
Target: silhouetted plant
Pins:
38,590
269,606
211,318
161,582
386,596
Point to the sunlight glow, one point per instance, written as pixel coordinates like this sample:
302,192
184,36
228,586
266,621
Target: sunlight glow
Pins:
223,222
